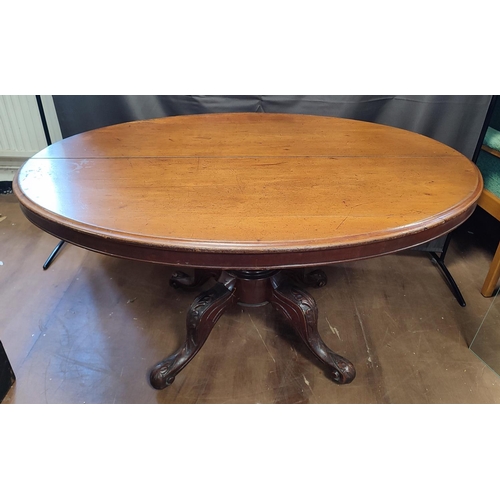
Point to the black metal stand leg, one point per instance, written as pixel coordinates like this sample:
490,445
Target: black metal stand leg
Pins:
53,255
439,259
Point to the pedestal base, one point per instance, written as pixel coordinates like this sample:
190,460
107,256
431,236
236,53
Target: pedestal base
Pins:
252,288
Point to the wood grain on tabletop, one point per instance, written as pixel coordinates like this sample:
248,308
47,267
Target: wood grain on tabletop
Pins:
255,182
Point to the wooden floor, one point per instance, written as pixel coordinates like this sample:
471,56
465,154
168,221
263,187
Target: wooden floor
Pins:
88,329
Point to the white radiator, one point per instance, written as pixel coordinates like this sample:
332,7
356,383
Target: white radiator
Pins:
21,130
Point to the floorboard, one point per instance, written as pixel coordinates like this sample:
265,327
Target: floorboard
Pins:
89,328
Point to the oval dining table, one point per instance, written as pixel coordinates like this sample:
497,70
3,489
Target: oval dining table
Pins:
255,201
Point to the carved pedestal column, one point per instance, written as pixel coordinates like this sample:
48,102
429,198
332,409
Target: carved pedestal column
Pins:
250,288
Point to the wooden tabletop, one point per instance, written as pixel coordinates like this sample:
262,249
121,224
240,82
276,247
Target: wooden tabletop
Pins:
248,190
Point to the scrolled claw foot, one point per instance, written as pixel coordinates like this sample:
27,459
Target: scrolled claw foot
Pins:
344,371
315,278
300,310
160,376
179,279
202,316
184,281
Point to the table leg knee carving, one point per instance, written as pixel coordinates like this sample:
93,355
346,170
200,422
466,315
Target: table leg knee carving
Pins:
300,310
202,316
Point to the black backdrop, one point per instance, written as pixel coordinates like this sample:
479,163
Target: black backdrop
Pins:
453,120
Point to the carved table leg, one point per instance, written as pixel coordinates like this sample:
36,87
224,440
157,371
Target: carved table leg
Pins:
300,310
202,316
182,280
315,278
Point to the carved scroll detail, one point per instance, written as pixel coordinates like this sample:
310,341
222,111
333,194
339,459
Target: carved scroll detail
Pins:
202,316
300,310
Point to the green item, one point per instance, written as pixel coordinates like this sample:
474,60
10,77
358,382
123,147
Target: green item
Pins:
489,165
492,139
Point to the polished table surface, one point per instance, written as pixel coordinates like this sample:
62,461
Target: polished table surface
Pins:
248,192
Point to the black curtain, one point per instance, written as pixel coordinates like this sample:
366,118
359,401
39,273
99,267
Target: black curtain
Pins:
453,120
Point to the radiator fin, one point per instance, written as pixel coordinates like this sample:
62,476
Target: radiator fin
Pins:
21,129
